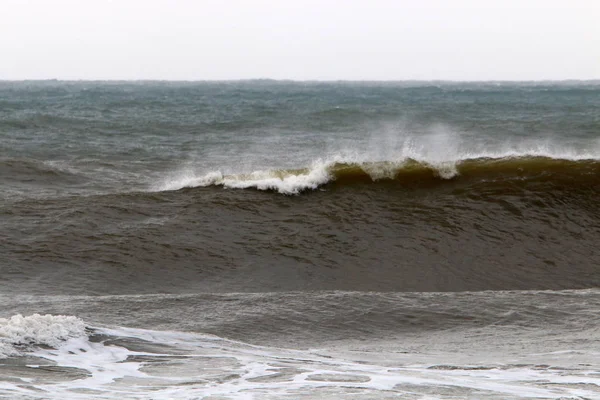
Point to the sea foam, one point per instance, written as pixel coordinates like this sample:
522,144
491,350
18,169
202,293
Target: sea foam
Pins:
19,333
194,365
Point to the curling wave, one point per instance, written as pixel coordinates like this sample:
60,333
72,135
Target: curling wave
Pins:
409,171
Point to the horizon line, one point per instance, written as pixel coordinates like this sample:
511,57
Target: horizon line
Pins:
306,80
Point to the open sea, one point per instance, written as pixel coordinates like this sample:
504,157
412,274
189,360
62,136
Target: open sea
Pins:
299,240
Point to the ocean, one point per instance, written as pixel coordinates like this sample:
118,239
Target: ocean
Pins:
299,240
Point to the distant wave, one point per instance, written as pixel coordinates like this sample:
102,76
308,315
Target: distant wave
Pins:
16,168
408,171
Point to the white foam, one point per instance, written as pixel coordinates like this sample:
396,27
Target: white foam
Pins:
19,333
203,365
288,183
105,364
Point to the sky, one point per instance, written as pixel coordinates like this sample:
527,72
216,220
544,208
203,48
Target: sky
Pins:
300,40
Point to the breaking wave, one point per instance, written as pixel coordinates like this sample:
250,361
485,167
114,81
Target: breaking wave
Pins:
409,171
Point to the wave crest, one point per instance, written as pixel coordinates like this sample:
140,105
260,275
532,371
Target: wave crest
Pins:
407,171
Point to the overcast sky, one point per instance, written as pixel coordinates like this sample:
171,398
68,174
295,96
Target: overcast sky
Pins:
300,39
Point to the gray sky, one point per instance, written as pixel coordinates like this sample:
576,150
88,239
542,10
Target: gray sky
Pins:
300,39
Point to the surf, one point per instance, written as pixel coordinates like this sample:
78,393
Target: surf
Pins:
67,358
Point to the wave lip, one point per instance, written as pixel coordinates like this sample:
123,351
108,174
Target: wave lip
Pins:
282,181
407,170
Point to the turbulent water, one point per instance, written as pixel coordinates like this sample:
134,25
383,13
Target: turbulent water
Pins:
268,240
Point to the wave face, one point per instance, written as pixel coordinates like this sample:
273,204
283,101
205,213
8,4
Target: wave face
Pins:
186,240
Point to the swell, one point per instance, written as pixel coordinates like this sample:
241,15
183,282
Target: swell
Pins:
30,170
304,318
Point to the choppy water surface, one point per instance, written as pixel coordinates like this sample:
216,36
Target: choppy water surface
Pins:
299,240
